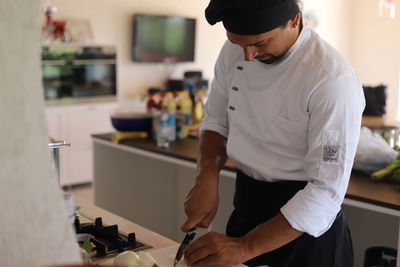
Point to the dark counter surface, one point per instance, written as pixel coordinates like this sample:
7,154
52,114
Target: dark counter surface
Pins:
185,149
360,188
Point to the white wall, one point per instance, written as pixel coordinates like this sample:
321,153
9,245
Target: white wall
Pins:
111,21
376,50
333,16
35,230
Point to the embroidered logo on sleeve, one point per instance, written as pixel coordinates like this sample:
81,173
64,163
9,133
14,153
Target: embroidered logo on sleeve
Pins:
331,153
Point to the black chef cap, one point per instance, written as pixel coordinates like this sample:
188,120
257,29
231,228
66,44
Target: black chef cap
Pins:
251,17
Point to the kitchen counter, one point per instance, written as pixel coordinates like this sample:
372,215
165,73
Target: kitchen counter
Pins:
361,187
137,171
375,122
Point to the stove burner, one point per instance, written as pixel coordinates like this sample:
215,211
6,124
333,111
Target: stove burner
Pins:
106,239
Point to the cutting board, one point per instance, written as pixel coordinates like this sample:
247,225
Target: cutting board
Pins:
165,257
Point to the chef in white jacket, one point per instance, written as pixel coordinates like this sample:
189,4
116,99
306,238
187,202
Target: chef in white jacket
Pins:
287,107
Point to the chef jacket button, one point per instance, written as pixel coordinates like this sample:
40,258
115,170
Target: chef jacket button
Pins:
239,67
232,108
235,88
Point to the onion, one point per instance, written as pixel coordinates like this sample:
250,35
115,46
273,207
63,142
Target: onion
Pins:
146,259
127,258
132,259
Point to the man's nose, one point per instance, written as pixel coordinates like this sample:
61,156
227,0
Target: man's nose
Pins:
250,52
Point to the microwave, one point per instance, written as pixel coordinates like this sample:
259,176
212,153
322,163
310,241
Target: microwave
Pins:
76,71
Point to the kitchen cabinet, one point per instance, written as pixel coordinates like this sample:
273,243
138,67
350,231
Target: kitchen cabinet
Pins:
76,123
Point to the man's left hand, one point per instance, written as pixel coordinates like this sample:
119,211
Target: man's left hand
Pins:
215,248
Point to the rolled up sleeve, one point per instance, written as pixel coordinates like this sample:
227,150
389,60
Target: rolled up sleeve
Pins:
335,109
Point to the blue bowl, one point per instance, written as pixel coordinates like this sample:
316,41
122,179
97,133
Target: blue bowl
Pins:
132,122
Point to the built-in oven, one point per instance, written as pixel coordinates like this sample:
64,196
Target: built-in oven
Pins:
75,71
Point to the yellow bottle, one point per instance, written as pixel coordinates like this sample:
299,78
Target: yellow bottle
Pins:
198,110
183,114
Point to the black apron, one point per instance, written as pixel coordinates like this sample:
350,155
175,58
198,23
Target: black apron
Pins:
332,249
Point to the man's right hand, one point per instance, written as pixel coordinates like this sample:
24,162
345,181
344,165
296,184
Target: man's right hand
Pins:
202,200
201,204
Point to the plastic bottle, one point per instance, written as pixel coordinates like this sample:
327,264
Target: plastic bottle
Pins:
198,109
184,114
166,121
191,82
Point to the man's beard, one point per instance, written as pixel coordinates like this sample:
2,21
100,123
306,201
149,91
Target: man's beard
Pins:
272,58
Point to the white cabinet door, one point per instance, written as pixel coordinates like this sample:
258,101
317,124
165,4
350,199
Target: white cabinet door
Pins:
82,122
76,124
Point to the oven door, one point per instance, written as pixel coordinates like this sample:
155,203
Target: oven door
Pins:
94,77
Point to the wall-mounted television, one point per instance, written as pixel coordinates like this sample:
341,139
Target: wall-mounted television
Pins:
168,39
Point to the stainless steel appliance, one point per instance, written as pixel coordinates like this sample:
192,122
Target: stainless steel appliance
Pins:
75,71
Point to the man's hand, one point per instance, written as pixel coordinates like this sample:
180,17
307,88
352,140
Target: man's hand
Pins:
202,201
215,248
201,204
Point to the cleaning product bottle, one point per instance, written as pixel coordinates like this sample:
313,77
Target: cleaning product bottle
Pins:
184,114
165,128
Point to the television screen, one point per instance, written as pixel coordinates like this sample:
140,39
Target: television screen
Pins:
163,38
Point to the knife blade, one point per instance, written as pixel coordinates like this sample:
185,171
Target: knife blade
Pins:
185,243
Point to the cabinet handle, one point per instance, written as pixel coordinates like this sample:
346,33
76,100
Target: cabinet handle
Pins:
58,144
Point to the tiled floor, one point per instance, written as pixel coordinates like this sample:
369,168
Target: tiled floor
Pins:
81,192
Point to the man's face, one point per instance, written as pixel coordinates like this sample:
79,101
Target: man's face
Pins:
267,47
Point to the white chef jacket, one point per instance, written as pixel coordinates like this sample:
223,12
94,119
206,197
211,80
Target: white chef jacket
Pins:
298,119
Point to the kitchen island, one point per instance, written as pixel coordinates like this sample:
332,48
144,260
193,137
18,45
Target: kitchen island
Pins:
147,184
162,249
154,242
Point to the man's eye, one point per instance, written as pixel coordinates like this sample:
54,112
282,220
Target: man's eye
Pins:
265,43
261,45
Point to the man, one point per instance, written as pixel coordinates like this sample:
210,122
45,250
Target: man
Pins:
287,108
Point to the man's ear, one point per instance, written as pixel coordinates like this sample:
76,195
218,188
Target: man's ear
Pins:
295,20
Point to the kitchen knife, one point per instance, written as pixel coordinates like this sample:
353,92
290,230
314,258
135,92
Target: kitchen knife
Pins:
185,243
